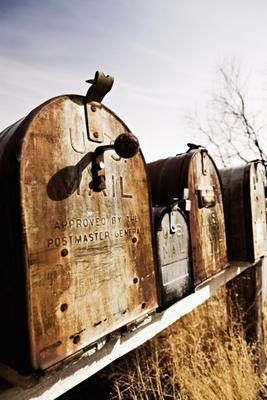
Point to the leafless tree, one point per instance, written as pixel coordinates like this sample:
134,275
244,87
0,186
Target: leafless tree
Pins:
230,130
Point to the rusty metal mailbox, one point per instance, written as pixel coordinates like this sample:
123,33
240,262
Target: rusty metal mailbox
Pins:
77,258
193,176
244,207
172,237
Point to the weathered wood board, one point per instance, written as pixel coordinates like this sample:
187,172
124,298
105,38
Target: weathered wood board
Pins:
52,385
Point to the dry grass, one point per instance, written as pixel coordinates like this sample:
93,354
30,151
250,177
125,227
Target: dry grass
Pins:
265,323
201,357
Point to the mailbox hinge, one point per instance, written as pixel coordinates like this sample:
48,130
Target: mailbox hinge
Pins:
203,161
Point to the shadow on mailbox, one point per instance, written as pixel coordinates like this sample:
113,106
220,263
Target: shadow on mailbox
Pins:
193,176
244,207
76,241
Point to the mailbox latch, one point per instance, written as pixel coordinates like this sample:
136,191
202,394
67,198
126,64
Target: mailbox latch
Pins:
185,202
126,145
206,197
173,220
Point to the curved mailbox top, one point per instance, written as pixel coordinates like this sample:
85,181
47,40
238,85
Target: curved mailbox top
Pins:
193,176
81,216
244,203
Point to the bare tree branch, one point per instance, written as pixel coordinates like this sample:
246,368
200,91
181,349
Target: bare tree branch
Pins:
231,130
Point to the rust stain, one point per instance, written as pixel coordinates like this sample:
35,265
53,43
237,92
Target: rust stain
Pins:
195,172
87,247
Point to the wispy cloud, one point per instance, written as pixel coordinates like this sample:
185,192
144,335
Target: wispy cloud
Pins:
161,55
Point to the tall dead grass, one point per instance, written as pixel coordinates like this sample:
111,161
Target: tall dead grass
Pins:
201,357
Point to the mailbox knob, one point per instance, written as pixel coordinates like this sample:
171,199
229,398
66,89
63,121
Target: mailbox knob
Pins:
126,145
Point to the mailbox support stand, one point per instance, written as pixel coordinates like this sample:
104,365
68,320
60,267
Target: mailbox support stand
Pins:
245,307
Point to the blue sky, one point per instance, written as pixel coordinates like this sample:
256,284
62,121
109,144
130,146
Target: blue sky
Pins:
163,55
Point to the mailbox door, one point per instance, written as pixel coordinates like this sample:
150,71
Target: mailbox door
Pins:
173,254
206,217
89,254
244,204
257,197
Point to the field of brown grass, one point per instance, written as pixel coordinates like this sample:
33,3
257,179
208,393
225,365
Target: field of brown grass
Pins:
201,357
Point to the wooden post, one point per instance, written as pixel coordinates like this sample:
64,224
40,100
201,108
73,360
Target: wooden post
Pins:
245,307
264,290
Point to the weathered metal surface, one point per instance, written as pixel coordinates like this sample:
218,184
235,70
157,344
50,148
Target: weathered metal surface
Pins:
244,204
86,265
172,237
193,175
